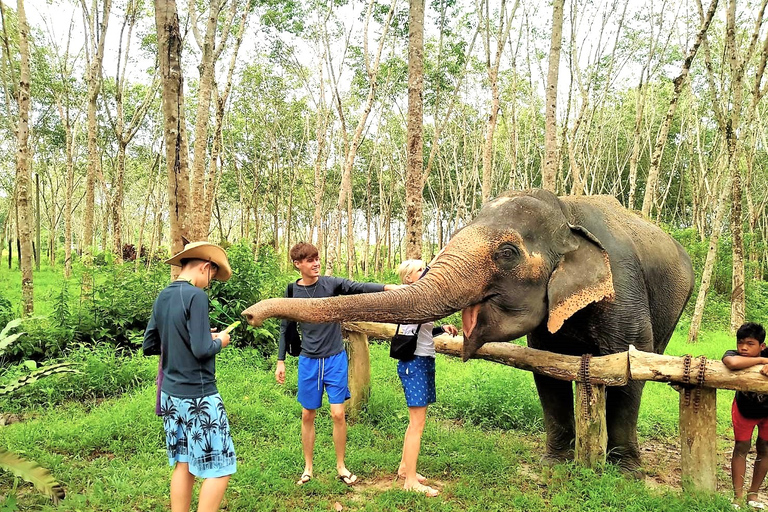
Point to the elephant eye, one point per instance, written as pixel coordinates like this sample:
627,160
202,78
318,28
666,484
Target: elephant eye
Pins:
506,256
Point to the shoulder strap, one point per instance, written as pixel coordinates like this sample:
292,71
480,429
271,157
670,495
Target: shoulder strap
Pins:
290,289
397,329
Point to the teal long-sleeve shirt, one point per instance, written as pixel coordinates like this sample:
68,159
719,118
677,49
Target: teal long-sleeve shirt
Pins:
179,327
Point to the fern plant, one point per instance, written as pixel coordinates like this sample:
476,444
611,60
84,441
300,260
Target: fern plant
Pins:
29,470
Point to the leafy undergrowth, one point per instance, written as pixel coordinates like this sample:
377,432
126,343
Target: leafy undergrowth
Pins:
482,447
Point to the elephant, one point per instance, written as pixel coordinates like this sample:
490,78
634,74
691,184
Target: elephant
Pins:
576,274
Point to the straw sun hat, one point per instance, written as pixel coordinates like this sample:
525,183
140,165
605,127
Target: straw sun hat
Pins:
205,251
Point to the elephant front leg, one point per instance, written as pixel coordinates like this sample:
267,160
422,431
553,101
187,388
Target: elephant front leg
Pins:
622,409
557,403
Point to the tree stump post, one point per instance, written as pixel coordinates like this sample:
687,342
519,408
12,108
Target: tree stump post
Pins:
698,439
359,372
591,430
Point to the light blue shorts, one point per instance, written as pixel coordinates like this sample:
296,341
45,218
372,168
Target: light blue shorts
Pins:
418,378
327,373
197,432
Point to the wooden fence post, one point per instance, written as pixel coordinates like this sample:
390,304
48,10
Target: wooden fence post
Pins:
698,439
359,372
591,431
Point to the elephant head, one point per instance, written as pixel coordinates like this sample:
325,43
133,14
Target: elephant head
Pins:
518,265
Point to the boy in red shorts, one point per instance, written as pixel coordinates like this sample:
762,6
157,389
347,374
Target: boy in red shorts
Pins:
749,410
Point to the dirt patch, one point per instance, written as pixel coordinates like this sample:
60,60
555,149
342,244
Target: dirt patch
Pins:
386,483
661,462
7,418
97,454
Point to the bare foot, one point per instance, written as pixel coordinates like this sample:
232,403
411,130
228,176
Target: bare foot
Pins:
419,477
428,491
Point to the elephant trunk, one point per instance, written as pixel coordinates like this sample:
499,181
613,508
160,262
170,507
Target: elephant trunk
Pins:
451,285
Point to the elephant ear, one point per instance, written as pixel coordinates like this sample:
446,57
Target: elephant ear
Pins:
582,276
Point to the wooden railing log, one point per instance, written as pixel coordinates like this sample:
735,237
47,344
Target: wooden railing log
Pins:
661,368
610,370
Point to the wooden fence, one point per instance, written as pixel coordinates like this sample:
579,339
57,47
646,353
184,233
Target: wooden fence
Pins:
697,379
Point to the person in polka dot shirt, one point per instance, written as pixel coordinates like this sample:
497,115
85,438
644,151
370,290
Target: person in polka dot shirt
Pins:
418,379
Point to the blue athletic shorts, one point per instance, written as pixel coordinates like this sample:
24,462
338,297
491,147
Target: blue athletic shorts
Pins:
315,375
197,432
418,378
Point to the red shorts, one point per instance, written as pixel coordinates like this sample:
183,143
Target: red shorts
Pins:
744,427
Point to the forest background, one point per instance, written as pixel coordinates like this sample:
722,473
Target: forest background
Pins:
130,124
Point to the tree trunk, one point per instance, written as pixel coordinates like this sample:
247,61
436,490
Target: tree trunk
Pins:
661,139
202,117
96,31
709,264
415,157
349,160
551,159
145,210
170,41
492,68
23,174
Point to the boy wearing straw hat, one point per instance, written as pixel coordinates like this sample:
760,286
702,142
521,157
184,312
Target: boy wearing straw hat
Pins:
197,434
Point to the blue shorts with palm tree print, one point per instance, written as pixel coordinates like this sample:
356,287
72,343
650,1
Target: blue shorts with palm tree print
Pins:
197,432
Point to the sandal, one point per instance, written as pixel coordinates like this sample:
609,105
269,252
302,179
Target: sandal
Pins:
756,504
426,490
349,479
306,477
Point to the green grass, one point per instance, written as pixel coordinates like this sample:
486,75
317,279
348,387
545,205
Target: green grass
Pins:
47,284
482,443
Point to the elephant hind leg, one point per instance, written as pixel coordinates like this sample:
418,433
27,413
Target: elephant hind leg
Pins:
557,403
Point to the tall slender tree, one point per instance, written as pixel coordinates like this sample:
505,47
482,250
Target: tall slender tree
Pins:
23,162
95,22
169,43
551,152
415,156
661,139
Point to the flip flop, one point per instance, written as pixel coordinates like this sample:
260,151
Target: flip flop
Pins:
306,477
349,479
426,490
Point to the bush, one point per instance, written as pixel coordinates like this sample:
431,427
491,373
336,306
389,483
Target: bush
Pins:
252,280
116,310
102,373
6,311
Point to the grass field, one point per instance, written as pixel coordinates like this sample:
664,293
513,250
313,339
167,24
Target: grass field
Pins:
482,445
96,431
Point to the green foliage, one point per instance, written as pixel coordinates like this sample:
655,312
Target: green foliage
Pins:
6,310
118,308
111,448
30,471
34,376
490,396
102,373
251,281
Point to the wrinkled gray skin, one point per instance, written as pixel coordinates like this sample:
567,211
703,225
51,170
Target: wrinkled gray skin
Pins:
576,275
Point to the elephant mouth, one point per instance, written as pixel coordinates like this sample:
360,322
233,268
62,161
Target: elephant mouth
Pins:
469,322
469,319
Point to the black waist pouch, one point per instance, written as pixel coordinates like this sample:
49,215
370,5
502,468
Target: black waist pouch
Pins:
403,346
